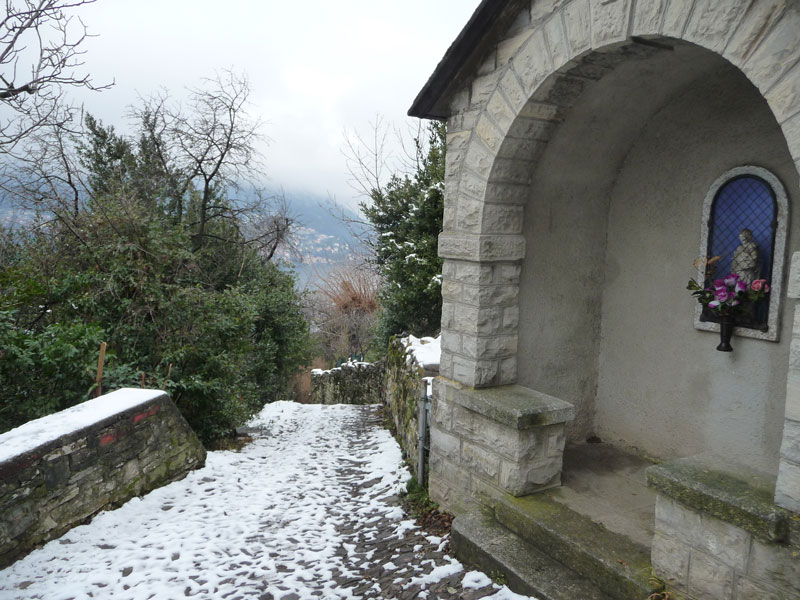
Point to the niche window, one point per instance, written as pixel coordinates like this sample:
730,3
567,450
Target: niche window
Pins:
744,223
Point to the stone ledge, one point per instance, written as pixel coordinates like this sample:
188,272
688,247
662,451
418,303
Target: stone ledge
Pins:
743,499
39,437
515,406
481,248
614,563
480,541
100,455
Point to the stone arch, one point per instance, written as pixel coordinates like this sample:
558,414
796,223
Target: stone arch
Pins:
501,126
538,70
558,59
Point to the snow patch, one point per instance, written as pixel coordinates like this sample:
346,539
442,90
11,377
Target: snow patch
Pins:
475,580
33,434
351,364
267,518
427,351
437,574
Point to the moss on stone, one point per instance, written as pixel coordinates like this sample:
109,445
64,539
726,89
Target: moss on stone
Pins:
360,383
132,489
744,499
613,562
514,405
403,387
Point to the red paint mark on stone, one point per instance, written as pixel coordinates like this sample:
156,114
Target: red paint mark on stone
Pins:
144,415
108,438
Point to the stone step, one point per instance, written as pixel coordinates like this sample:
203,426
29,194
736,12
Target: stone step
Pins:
479,540
613,562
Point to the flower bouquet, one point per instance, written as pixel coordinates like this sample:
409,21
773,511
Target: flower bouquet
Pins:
728,298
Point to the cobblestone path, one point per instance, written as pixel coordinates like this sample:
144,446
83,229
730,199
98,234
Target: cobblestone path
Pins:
309,509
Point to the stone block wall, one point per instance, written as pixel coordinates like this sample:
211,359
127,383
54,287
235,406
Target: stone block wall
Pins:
57,471
350,383
397,382
787,490
486,443
480,314
717,538
503,104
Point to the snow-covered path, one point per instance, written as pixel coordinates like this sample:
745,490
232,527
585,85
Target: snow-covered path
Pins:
309,509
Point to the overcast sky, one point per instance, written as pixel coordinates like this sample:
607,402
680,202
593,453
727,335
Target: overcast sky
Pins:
317,68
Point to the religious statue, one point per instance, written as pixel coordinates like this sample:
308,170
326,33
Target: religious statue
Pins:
746,260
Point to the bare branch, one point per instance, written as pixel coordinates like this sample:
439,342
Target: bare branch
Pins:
40,55
210,145
45,175
366,158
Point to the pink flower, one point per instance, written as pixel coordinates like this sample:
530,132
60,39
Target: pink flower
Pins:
759,284
731,279
721,294
741,286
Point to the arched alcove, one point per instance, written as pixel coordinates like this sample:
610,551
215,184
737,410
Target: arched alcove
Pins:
612,215
583,139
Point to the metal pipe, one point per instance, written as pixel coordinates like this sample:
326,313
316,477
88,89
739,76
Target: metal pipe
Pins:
422,431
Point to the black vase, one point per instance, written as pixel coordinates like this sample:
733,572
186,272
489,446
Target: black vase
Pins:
725,333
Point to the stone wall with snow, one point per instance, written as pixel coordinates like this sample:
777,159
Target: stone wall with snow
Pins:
57,471
410,364
350,383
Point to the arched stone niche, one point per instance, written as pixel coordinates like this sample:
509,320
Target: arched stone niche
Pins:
611,231
778,248
561,144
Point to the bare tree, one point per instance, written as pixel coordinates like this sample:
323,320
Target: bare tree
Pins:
270,226
197,163
210,145
386,150
366,157
45,176
40,55
342,309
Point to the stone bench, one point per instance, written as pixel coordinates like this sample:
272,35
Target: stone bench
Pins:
60,470
492,441
718,533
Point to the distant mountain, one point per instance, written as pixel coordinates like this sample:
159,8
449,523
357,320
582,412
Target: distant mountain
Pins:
327,236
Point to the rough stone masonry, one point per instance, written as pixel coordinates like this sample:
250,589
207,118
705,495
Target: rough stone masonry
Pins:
124,444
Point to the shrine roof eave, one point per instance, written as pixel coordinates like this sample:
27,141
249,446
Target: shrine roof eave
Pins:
431,101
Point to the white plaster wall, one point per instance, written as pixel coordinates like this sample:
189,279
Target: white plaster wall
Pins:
662,387
612,227
565,228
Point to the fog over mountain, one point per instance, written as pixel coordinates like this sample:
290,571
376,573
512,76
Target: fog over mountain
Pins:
327,235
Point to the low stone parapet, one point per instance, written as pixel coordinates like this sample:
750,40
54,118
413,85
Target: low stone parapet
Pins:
489,442
719,535
58,471
349,383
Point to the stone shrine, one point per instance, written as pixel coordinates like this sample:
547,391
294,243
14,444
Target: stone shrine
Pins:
592,147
